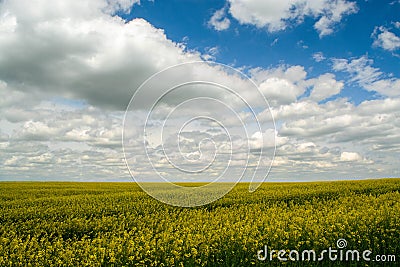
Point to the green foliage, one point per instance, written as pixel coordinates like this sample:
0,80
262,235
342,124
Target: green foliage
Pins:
117,224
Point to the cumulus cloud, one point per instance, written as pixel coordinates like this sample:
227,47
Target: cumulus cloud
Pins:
120,5
370,78
268,139
89,54
282,85
325,86
385,39
334,13
302,158
49,142
71,68
29,160
312,139
336,128
277,16
339,121
219,21
82,55
350,156
321,137
77,49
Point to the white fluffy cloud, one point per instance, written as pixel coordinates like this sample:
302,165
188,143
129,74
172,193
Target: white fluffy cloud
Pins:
54,144
323,137
350,156
338,129
71,68
312,139
325,86
281,85
385,39
79,54
372,79
219,21
334,11
284,85
340,121
278,15
77,49
120,5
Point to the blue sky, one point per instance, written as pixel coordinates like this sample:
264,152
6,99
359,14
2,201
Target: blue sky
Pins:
329,70
246,45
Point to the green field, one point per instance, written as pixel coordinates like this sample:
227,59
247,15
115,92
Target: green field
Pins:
117,224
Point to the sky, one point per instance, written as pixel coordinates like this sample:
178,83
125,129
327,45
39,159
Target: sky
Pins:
71,71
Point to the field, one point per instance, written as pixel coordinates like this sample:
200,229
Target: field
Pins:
116,224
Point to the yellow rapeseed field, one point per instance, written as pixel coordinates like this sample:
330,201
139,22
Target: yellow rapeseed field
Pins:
117,224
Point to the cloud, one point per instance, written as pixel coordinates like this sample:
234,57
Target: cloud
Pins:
325,86
268,139
296,110
386,106
78,50
71,68
350,156
277,16
219,21
120,5
334,13
372,79
84,141
317,126
69,53
338,121
338,129
28,160
321,138
385,39
318,57
211,53
274,42
46,141
282,85
302,158
91,55
280,91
